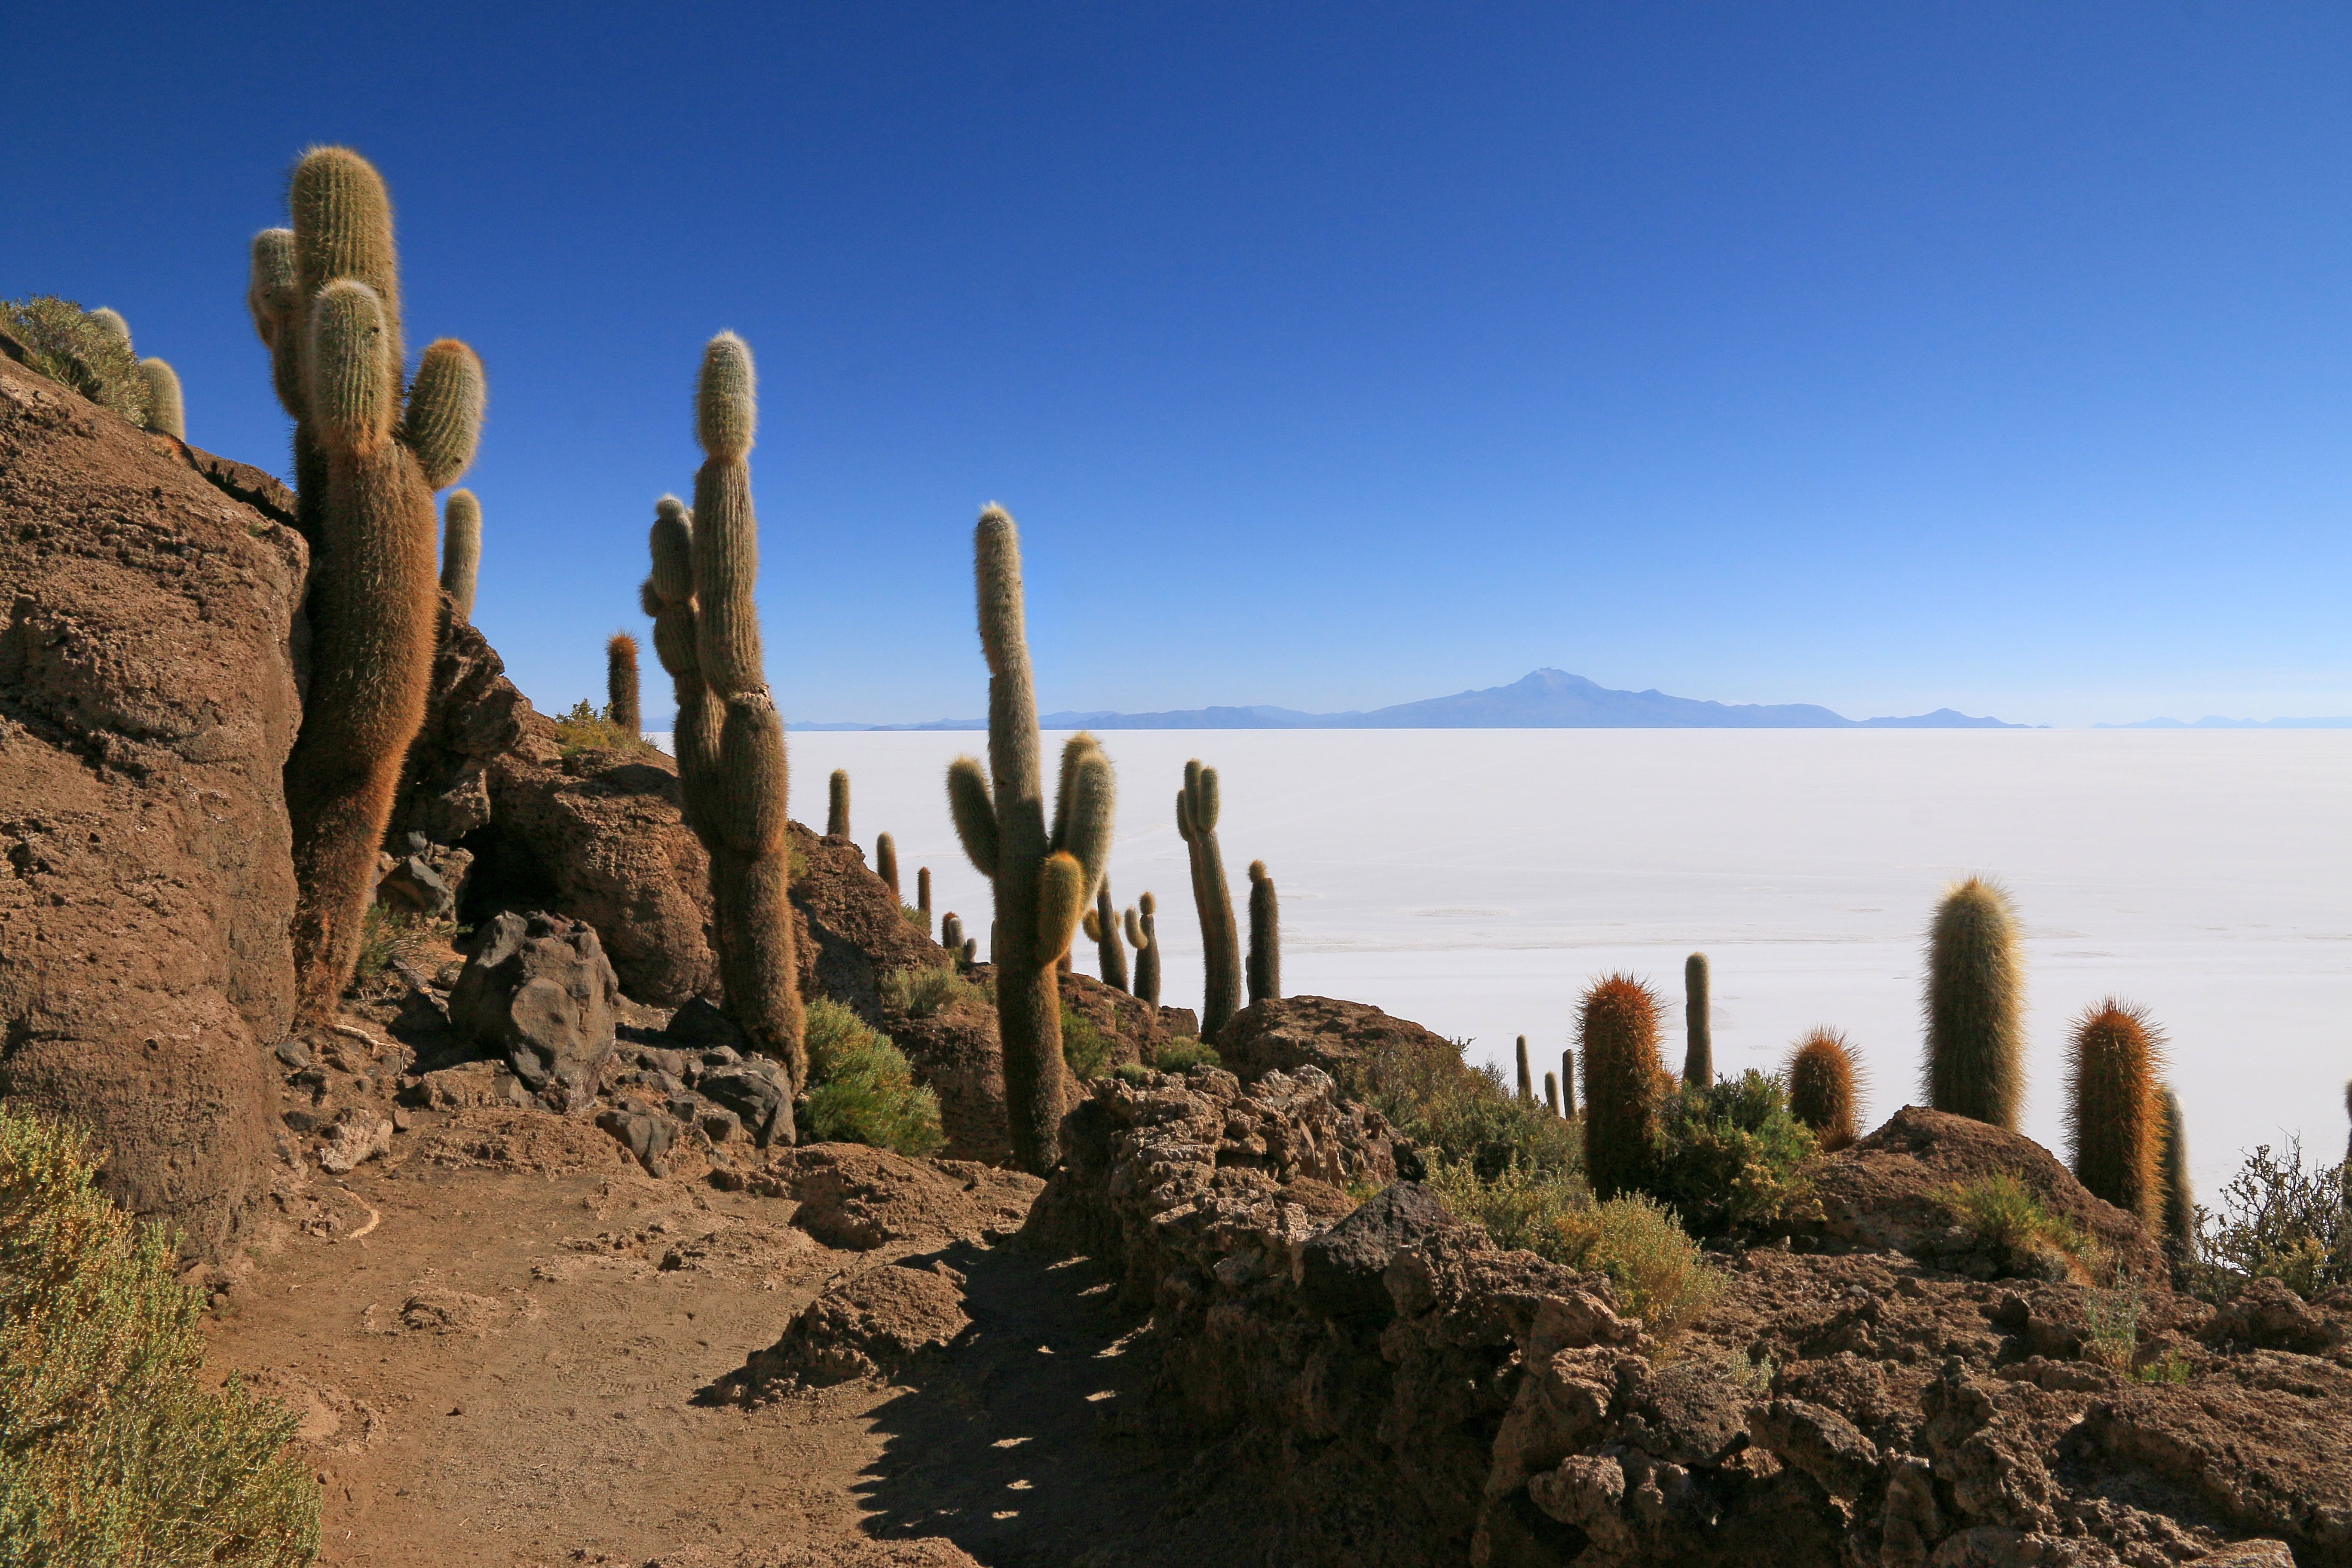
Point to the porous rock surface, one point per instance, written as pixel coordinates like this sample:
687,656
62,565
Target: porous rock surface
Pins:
536,990
1341,1038
149,616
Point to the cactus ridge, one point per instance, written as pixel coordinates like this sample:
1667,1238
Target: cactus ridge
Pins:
1625,1079
1698,1019
2115,1072
1824,1087
1975,1006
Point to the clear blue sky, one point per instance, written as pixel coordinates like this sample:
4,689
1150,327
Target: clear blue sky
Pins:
1881,356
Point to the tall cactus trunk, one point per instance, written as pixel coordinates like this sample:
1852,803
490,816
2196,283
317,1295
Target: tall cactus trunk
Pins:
1551,1092
886,863
1266,937
923,896
1110,953
1568,1083
1143,935
837,804
1527,1074
461,552
1976,1007
620,685
1698,1019
1197,807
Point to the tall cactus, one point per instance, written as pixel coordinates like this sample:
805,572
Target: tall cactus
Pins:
1266,937
326,299
1976,1006
1625,1079
1551,1092
1221,956
951,933
1568,1084
622,705
1143,935
1698,1019
668,599
885,862
1527,1074
1101,925
2179,1221
1044,881
167,413
2115,1100
461,552
837,804
923,896
1822,1088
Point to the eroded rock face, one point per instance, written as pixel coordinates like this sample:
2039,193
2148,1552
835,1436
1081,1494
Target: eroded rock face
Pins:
147,702
538,992
1339,1037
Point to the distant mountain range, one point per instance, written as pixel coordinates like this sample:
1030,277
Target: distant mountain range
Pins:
1543,699
2210,722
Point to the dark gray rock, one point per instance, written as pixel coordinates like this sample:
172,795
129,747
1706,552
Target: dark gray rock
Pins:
754,1090
538,992
1340,1270
699,1025
648,1137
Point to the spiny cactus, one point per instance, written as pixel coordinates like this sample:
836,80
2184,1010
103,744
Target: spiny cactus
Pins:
1042,881
1823,1091
668,599
1221,957
1568,1084
836,806
2179,1221
1266,937
1551,1092
923,896
1102,926
1625,1079
885,862
1143,935
970,950
1698,1052
951,933
621,684
1527,1075
166,413
2115,1064
461,552
1976,1006
326,299
107,319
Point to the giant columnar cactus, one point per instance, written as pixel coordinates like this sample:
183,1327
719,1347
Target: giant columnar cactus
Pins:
1044,881
1527,1074
668,599
1101,925
461,552
2115,1108
1698,1018
923,896
2179,1193
620,685
166,412
326,299
1976,1006
1568,1084
1143,935
1823,1094
1266,937
886,863
1221,954
1625,1079
837,804
1551,1092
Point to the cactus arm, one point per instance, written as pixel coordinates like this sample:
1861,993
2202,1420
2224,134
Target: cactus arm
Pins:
342,229
1061,896
444,421
352,371
1090,814
974,813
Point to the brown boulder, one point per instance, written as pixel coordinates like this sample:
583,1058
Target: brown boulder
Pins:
1346,1039
147,702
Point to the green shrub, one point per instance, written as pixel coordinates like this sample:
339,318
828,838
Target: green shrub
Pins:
588,729
916,917
112,1449
919,992
864,1092
63,343
1135,1073
1085,1048
1462,1114
1184,1053
2112,1335
387,934
1731,1156
2278,1220
2005,1215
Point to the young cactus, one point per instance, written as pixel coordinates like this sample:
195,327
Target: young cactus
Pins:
1102,926
885,862
167,414
1143,935
1976,1006
1698,1051
620,685
1568,1084
326,300
1624,1079
1266,937
837,804
461,552
1527,1075
2179,1233
1822,1088
1044,881
1221,958
1551,1092
923,896
2114,1101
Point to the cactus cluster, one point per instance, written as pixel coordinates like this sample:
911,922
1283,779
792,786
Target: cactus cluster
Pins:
325,297
1823,1088
1143,935
1221,958
1102,925
1044,880
621,704
1625,1079
2116,1108
1976,1006
160,406
1266,937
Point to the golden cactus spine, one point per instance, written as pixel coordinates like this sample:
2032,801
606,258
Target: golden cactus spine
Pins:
461,552
1624,1079
621,702
2115,1101
1976,1006
1266,937
326,300
1043,880
1698,1021
1823,1088
1221,959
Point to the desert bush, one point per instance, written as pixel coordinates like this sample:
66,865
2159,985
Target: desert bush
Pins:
1464,1113
1184,1053
916,917
864,1092
589,728
112,1449
2004,1213
1085,1050
919,992
62,343
1135,1073
2112,1328
2278,1220
1731,1155
387,935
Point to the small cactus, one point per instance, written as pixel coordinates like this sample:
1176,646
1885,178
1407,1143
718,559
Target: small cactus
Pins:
1102,926
1568,1084
621,684
885,862
1527,1077
1624,1079
2179,1192
970,952
461,552
167,414
837,804
923,896
952,931
1976,1006
1823,1091
2114,1063
1221,959
1266,937
1698,1052
1551,1091
107,319
1143,935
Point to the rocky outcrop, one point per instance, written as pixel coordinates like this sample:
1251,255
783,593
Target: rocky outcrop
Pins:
1346,1039
537,992
148,697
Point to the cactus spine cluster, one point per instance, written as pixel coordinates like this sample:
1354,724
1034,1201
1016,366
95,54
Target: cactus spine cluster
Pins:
1976,1006
1822,1092
1526,1076
1623,1079
1221,958
1044,881
885,862
837,804
325,297
1698,1051
166,412
1568,1084
1101,925
1266,937
1551,1092
621,684
461,552
2115,1100
1143,935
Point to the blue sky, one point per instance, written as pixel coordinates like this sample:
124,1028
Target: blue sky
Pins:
1887,357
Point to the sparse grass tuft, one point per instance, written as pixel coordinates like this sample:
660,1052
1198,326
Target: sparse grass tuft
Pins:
864,1092
63,343
2113,1319
115,1450
2005,1214
1085,1048
387,934
916,917
1184,1053
586,729
919,992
